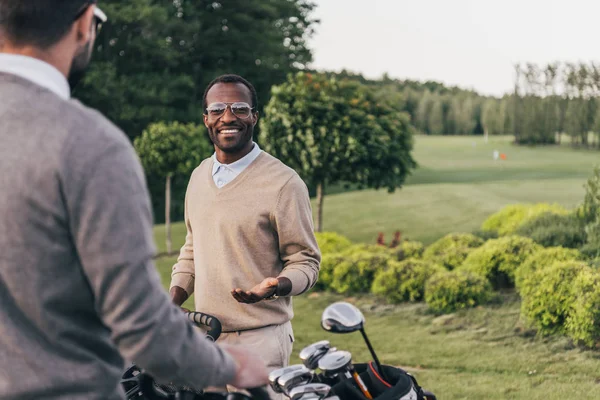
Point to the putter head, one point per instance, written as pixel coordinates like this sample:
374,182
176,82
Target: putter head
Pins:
317,390
311,354
335,362
295,378
278,373
342,317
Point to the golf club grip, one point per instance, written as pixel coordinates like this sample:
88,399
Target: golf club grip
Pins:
259,393
206,320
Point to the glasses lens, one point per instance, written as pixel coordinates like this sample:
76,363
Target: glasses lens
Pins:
98,25
216,109
241,110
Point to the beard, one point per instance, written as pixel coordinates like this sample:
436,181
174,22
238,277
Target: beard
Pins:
80,63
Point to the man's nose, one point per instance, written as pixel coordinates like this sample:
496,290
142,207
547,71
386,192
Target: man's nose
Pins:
228,115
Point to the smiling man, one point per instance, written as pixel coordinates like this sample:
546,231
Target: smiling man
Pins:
250,243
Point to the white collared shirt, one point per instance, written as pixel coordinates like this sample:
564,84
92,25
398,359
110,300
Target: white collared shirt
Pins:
225,173
37,71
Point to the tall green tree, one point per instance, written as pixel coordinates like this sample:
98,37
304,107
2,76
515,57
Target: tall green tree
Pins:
169,150
333,131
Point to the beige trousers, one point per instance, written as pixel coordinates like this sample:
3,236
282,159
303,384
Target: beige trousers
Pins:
273,343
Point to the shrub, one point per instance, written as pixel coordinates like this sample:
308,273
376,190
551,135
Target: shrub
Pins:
449,291
404,280
498,259
550,229
451,250
549,295
331,242
356,267
510,218
409,249
543,259
328,263
583,321
485,235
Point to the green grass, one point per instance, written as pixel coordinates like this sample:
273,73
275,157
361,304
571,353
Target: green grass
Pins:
482,353
456,187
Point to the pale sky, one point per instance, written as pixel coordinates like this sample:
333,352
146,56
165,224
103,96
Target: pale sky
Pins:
467,43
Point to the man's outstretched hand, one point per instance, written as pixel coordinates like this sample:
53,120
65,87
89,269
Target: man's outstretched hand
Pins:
259,292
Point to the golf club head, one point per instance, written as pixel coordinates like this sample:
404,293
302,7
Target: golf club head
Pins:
278,373
318,390
311,354
295,378
335,362
342,317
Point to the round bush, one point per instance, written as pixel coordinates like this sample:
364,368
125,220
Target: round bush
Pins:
512,217
549,295
451,250
331,242
448,291
404,280
356,268
328,263
583,321
409,249
498,259
550,229
543,258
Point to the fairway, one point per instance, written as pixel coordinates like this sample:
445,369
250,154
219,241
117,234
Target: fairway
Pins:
456,187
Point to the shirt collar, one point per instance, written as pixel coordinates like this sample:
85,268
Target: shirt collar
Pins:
37,71
240,165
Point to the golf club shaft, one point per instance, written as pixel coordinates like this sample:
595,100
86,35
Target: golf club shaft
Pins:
379,367
361,385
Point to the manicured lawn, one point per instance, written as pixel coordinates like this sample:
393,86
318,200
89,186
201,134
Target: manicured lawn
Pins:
456,187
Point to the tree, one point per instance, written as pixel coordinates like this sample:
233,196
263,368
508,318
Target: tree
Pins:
334,131
153,59
173,149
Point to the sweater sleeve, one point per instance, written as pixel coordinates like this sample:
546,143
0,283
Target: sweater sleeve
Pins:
184,273
111,221
298,247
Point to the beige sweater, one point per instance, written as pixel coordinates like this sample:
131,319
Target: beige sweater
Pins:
257,226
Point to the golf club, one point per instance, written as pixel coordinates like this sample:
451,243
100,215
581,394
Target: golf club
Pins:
295,378
318,390
278,373
342,317
338,362
311,354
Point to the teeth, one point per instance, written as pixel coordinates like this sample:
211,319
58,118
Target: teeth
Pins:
230,130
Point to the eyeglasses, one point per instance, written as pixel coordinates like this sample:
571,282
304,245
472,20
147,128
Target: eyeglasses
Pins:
239,109
99,16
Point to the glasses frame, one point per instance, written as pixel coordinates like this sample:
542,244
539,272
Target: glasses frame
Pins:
229,105
99,16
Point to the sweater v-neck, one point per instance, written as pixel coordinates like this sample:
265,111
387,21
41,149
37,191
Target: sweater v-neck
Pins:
235,181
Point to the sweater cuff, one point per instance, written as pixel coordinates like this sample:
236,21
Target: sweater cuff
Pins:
184,281
300,282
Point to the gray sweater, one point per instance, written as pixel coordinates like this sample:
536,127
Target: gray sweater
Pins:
79,292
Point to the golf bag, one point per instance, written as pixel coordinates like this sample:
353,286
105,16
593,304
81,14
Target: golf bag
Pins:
402,385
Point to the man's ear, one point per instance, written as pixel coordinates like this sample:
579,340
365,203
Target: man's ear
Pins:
83,26
255,118
205,117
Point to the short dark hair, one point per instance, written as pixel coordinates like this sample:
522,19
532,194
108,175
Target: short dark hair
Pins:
39,23
230,78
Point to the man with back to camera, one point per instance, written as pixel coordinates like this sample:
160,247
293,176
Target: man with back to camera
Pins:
78,289
250,243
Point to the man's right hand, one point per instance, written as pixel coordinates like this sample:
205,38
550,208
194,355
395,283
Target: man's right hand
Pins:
178,295
251,370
